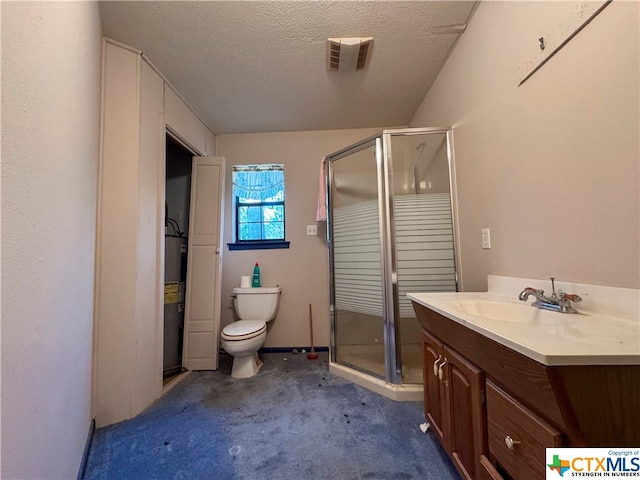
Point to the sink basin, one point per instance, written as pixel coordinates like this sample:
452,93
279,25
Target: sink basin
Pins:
512,312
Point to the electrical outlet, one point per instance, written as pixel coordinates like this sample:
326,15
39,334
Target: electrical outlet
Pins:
486,238
312,230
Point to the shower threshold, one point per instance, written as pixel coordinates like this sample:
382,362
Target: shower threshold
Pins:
398,393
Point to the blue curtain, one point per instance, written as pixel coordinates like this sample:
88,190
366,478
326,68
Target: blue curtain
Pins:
258,182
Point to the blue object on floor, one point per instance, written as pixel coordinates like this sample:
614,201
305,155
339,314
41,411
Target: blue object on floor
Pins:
293,420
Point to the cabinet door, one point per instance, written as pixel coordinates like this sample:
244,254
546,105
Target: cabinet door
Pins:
433,395
464,385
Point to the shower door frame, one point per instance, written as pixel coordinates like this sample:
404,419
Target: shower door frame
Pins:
373,141
389,268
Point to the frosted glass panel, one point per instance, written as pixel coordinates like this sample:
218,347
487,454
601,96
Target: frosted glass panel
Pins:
423,233
357,263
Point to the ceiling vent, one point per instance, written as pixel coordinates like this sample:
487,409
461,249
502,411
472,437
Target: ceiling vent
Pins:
348,54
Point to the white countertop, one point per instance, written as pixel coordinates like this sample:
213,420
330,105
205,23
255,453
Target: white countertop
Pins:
591,337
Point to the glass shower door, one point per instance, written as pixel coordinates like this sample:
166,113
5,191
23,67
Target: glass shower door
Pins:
357,294
423,233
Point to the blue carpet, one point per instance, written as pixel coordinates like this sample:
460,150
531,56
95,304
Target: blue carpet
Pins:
293,420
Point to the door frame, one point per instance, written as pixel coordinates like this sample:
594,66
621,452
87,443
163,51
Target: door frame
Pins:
162,193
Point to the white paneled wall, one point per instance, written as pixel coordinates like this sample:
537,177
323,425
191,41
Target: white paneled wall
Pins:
424,249
130,247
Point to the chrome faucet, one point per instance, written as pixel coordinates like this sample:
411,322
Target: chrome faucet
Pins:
556,302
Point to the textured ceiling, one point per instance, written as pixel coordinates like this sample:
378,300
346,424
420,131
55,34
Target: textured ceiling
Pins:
248,66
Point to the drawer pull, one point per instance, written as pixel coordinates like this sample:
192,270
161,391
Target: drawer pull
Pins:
510,442
435,365
440,375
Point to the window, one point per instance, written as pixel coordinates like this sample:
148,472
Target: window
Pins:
258,198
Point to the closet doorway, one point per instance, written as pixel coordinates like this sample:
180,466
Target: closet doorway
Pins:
178,170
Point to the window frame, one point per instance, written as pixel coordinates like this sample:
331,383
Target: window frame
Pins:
259,244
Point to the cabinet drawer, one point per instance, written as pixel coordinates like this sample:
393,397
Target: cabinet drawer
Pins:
507,419
487,470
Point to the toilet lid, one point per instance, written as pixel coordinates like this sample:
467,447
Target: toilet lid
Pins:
243,329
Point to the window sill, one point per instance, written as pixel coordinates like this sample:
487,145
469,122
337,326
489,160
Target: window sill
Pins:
258,245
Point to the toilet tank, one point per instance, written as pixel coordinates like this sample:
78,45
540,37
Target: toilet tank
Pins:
256,303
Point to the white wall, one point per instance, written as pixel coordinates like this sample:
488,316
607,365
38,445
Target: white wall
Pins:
50,114
552,167
302,270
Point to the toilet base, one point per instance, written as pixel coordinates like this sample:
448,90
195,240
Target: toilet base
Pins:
246,366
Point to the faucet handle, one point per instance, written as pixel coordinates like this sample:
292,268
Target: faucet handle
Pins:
571,297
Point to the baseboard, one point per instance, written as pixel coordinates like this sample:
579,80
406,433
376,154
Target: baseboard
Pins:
87,449
290,349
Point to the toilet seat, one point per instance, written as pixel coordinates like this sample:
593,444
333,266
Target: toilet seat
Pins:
243,330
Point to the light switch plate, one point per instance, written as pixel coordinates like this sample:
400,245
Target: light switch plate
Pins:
486,238
312,230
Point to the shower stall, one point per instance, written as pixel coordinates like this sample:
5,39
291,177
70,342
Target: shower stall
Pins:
391,230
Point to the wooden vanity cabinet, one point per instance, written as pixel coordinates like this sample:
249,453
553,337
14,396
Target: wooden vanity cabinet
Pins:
489,392
454,393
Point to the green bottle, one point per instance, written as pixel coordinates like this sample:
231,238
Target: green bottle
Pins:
255,282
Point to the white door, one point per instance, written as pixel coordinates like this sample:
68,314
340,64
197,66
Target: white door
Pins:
204,265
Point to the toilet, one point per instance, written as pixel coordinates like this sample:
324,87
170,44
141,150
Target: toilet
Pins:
254,306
